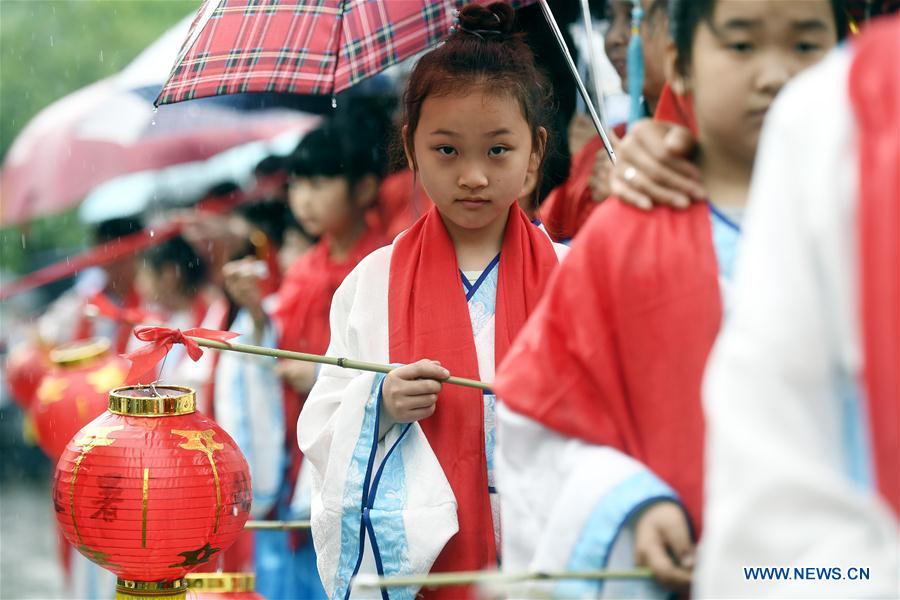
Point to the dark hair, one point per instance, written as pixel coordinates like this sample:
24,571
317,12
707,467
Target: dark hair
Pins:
112,229
178,253
685,16
352,143
270,165
271,216
222,189
484,49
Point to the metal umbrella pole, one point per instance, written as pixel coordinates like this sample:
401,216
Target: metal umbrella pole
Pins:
593,61
551,20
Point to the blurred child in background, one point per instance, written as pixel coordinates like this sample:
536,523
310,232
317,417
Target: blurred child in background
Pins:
335,171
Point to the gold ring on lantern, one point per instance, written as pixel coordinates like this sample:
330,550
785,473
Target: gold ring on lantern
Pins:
156,401
78,353
127,589
221,583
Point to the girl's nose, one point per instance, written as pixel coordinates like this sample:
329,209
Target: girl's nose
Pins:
472,177
774,73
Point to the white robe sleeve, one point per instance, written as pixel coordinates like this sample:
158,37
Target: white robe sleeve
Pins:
249,405
378,505
786,483
570,506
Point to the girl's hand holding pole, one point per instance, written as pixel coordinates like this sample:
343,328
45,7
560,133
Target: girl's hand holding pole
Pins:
410,392
662,542
241,279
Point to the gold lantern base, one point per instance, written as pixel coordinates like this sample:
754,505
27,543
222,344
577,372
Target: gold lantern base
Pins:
127,589
221,583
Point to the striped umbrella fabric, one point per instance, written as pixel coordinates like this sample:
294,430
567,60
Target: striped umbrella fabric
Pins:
316,47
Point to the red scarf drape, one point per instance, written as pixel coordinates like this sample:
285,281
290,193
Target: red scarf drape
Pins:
616,352
428,317
875,93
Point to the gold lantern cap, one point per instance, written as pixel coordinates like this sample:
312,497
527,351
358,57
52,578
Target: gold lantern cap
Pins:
78,353
152,400
127,589
222,583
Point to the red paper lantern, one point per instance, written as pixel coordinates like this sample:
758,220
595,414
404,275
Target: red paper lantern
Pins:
222,586
151,489
26,366
73,392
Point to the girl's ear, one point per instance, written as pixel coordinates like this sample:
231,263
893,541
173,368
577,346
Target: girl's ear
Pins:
678,81
407,148
365,192
534,164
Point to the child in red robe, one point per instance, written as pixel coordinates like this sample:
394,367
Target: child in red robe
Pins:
604,382
335,175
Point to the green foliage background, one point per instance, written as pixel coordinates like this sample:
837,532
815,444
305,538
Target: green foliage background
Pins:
49,48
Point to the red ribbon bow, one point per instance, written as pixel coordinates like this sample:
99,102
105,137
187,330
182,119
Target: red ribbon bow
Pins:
144,359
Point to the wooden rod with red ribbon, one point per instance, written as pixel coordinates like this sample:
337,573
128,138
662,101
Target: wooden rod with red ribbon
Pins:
161,339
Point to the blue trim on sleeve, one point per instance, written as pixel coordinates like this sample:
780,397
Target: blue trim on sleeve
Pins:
855,433
613,512
718,214
390,558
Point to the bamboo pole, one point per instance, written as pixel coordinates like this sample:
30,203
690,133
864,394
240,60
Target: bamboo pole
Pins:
344,363
435,580
279,525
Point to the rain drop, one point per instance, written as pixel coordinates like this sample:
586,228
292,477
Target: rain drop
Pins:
23,241
51,41
101,56
155,109
334,102
153,232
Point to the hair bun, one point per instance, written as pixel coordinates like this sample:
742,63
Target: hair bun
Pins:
498,17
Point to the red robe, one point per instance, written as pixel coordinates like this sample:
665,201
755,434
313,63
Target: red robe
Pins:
615,353
401,201
302,314
875,94
567,208
428,317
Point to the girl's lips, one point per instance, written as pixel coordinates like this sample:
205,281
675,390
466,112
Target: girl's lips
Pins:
473,202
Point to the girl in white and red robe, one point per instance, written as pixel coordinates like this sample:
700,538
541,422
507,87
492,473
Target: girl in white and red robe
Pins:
601,430
403,477
802,394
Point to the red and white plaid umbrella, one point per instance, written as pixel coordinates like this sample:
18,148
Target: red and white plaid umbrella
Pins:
302,46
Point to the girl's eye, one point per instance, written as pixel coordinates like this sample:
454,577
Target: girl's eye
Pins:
807,47
498,151
446,150
741,47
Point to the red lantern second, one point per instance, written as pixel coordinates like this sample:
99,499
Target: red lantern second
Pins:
74,391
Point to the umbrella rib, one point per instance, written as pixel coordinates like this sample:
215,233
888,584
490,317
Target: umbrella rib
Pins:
189,44
337,51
